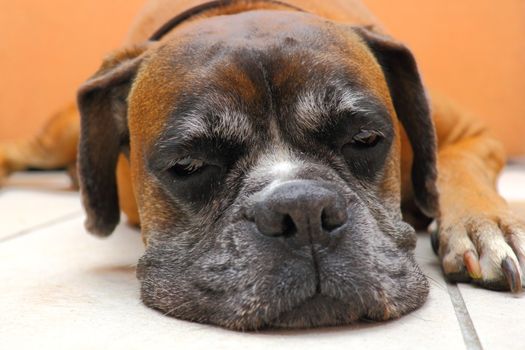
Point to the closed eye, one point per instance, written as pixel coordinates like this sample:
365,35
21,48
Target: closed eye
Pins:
187,166
366,138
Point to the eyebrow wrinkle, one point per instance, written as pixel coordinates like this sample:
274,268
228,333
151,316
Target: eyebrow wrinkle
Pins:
228,124
312,107
273,127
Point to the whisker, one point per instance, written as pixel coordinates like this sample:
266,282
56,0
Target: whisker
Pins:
435,282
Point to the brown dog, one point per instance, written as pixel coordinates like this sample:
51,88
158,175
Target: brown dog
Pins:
259,146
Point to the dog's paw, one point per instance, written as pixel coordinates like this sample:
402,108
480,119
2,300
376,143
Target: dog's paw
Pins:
487,251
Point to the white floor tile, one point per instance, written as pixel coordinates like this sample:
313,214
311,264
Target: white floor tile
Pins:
32,199
499,317
511,184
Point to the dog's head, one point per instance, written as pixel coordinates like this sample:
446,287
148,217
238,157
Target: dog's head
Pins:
264,149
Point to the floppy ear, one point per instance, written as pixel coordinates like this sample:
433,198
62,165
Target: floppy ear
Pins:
102,102
412,109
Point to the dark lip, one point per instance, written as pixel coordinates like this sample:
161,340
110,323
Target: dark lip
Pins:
315,311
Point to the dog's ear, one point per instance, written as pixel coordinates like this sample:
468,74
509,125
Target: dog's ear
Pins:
102,103
412,109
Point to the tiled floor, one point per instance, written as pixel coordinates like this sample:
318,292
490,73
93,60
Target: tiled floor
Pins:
61,288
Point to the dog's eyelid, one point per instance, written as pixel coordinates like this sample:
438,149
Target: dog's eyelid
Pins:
169,154
377,120
164,156
164,162
186,161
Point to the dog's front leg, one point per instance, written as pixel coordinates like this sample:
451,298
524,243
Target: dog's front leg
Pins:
55,146
479,238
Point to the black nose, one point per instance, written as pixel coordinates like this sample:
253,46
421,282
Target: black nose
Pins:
305,209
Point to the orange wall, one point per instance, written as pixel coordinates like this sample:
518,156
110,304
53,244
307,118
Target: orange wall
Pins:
471,50
47,49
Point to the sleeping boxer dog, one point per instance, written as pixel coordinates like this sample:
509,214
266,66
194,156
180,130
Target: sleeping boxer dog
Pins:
273,154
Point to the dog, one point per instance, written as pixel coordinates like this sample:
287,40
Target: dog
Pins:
277,156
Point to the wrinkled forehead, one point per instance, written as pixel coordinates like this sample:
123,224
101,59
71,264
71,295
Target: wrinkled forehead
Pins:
234,73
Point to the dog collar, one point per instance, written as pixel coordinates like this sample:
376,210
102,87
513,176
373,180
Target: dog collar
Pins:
202,8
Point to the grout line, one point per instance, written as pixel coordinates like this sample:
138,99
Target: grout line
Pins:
470,336
42,225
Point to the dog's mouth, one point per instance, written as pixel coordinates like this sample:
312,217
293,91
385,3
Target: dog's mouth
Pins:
293,304
318,310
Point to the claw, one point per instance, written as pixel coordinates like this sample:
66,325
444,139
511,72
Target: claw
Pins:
519,250
471,262
512,274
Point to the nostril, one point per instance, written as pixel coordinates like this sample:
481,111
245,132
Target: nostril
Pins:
276,225
269,221
332,218
289,228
